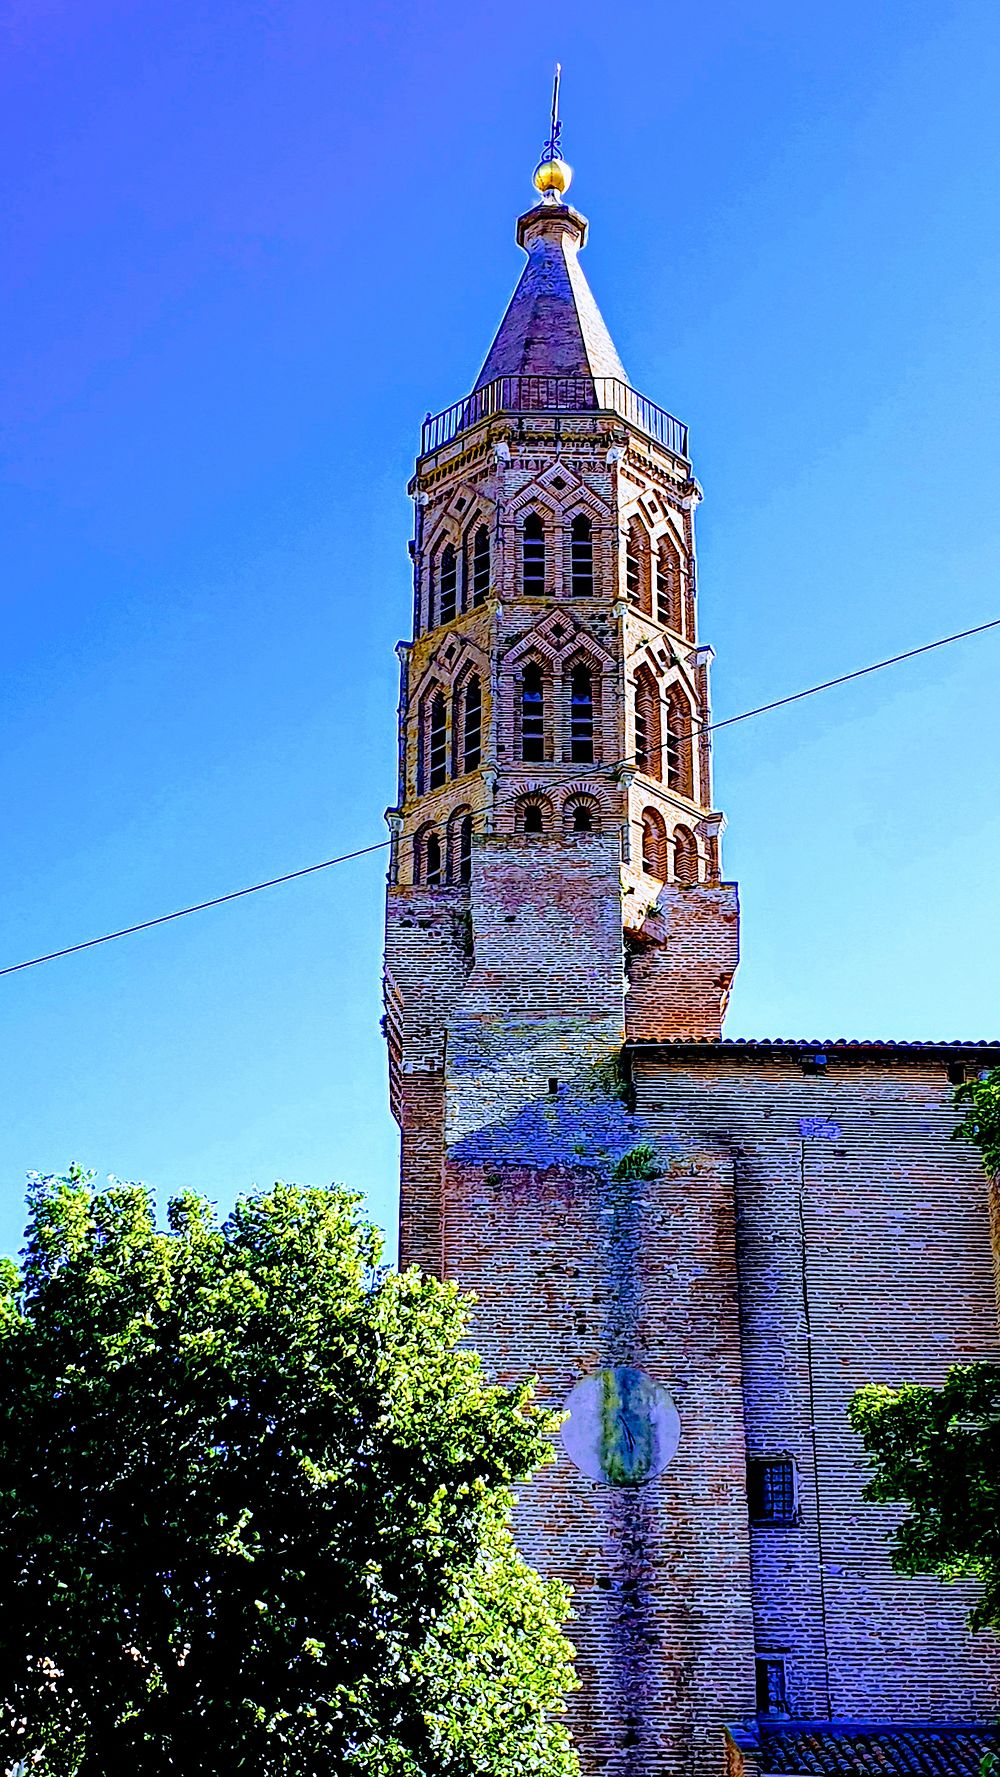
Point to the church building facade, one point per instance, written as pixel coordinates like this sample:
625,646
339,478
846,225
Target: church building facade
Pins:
701,1247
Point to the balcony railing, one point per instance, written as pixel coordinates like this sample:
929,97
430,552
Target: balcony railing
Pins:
555,394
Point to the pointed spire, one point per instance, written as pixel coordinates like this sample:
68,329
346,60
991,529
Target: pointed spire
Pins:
553,326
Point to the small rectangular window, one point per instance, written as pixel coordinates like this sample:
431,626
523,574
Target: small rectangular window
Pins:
772,1692
771,1491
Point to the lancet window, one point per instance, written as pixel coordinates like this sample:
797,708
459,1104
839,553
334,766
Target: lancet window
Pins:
532,712
637,566
581,715
458,861
437,742
581,557
432,854
668,585
677,743
648,742
448,583
685,857
467,722
654,844
533,557
480,565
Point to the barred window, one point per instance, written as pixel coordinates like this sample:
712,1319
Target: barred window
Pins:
472,725
685,857
533,557
437,750
654,844
668,585
648,756
448,583
581,717
480,565
465,849
771,1491
581,558
677,743
532,713
433,854
772,1691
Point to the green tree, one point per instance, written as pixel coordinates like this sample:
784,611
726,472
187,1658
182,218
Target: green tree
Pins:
938,1449
254,1504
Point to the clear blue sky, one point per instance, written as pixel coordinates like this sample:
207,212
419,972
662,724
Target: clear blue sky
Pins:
247,246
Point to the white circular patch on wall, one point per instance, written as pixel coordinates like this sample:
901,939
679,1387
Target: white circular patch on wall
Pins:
623,1428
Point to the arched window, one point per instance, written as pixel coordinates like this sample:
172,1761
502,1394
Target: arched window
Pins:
581,558
578,817
432,853
654,844
448,587
637,566
668,584
465,849
677,743
472,725
533,557
685,857
532,713
533,822
437,750
480,565
648,753
458,846
581,716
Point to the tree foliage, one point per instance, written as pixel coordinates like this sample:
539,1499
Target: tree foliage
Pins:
981,1123
938,1449
254,1504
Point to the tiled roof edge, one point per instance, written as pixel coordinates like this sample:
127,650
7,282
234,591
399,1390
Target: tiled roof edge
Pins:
733,1044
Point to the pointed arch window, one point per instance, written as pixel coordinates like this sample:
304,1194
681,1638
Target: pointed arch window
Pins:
648,748
677,743
533,557
637,566
581,716
448,587
472,724
437,749
432,853
685,857
581,557
532,713
654,844
465,849
668,585
480,565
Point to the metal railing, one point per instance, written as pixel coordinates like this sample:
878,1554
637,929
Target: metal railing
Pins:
555,394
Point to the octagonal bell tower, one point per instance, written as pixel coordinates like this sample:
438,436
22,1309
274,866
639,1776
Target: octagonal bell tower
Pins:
554,889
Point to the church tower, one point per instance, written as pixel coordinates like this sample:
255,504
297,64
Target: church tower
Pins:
555,888
555,881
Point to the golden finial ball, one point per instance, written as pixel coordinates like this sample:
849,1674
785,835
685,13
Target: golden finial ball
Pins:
552,175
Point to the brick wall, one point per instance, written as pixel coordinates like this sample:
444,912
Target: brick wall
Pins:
863,1253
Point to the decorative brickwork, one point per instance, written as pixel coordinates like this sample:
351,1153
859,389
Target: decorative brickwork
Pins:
712,1237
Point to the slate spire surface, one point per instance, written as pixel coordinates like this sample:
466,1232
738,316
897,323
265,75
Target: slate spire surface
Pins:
553,326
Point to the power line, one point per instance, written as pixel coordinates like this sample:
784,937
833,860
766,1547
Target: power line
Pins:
860,672
199,907
255,888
